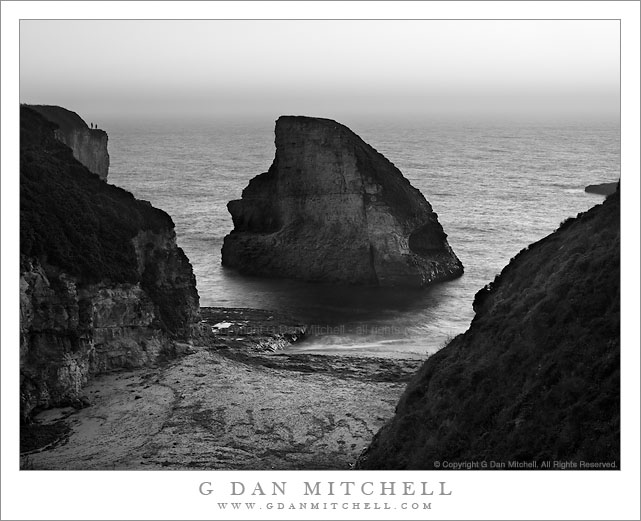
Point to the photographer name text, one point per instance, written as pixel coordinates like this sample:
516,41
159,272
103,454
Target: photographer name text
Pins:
329,488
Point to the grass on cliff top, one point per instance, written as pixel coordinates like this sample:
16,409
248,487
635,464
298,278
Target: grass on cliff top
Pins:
67,120
71,219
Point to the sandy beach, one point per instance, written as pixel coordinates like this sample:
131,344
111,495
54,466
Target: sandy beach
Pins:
222,407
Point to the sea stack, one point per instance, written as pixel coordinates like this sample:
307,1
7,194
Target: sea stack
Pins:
89,145
332,209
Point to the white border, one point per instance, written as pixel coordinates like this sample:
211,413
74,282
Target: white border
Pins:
174,495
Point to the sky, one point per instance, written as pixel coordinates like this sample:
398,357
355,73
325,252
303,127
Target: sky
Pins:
105,69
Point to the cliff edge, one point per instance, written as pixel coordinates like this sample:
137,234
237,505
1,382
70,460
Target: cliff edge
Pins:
89,145
537,376
331,208
102,283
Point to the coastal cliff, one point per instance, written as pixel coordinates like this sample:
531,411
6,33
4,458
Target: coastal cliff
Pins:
333,209
537,376
103,284
89,145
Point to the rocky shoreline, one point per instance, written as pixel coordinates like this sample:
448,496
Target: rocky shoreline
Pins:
120,368
233,401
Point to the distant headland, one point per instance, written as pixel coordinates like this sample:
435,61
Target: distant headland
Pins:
602,188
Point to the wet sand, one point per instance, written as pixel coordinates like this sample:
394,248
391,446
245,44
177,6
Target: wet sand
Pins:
222,407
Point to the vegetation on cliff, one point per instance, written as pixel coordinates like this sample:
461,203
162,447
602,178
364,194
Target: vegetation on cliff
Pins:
73,222
66,120
71,219
102,283
537,375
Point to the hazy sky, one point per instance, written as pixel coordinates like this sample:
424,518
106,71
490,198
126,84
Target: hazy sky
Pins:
114,69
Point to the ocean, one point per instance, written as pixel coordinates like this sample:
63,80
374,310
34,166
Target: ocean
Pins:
495,187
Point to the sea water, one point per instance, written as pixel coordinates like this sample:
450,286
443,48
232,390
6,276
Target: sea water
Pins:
495,187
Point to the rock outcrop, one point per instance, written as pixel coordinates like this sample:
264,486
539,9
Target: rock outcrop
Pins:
102,284
332,209
537,376
89,145
602,188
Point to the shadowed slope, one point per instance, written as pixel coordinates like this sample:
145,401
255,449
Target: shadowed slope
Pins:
537,375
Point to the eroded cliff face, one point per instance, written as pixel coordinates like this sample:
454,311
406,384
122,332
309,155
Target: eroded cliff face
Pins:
332,209
89,145
537,375
103,284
